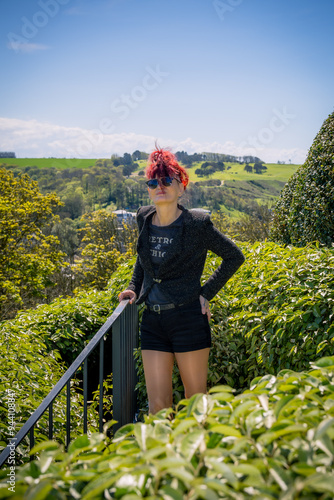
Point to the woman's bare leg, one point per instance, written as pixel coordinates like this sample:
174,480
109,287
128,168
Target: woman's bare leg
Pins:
193,368
158,369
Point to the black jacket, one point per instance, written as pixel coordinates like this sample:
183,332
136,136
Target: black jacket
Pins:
180,273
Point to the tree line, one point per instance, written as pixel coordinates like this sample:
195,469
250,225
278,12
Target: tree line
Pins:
119,183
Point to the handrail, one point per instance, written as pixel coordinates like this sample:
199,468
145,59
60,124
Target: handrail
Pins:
124,325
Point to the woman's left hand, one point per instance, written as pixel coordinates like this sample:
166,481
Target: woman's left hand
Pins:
205,306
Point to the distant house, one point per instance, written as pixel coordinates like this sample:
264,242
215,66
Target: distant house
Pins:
124,216
5,154
204,210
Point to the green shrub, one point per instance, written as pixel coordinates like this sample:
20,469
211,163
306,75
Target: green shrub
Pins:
304,212
275,441
30,371
67,323
36,348
276,312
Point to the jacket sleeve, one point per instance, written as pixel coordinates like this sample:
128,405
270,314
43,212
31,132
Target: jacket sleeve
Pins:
229,252
137,278
138,272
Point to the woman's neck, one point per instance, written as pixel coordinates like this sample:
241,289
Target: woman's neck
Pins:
165,215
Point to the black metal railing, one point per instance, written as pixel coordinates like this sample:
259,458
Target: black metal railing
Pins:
123,324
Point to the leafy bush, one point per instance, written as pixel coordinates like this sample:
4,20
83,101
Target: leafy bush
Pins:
274,441
67,324
305,211
36,348
30,371
276,312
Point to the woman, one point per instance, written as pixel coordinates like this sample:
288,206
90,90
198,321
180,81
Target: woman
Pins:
172,247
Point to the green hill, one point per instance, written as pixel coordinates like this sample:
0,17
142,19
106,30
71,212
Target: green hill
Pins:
91,184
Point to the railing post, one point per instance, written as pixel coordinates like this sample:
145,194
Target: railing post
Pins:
124,342
85,393
32,440
51,421
68,413
101,384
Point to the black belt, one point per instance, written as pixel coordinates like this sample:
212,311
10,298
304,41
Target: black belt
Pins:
157,307
163,307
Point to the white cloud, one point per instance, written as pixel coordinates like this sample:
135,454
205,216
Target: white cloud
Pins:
267,154
26,47
31,138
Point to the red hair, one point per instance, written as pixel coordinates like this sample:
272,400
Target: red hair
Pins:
163,163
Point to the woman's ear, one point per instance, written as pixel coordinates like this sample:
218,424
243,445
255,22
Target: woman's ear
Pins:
182,189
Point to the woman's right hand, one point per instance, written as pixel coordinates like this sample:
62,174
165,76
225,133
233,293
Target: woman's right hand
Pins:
127,294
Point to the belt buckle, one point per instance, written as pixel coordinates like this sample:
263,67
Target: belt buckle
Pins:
156,308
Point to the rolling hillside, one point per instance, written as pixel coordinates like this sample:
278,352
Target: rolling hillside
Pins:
232,190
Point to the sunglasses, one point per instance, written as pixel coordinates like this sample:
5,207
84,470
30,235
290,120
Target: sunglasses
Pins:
163,181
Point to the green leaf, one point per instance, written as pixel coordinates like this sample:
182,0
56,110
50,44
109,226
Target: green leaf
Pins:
45,445
79,443
154,452
191,442
123,432
242,409
254,477
93,489
181,474
221,389
183,426
320,483
171,463
303,469
222,469
169,493
203,491
226,430
40,491
269,437
323,427
281,403
324,362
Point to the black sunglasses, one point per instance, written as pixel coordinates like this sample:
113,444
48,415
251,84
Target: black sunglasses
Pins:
164,181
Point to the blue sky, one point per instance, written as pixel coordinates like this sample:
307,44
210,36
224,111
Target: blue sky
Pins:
91,78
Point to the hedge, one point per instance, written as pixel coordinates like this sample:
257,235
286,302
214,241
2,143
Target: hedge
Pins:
275,441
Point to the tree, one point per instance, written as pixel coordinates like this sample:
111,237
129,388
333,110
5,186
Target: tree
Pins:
136,155
73,205
28,258
254,226
304,212
259,167
126,159
67,234
101,253
128,169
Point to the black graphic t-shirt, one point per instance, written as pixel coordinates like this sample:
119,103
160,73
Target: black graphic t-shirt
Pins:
160,240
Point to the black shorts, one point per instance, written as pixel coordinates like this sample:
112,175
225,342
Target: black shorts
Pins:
181,329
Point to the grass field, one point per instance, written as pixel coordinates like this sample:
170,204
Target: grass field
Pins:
236,171
60,163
